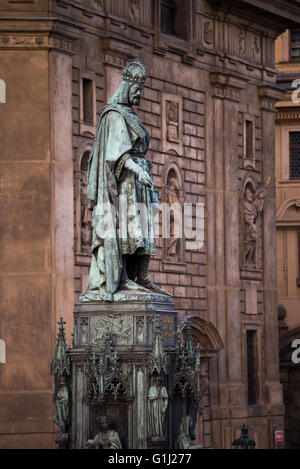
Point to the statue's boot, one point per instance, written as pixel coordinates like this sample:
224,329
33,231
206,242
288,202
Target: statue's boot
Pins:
130,285
143,277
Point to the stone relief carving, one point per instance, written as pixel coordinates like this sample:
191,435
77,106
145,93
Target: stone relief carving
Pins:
83,331
25,41
172,117
134,9
208,32
86,218
255,47
253,203
171,136
173,195
173,199
140,325
120,326
241,42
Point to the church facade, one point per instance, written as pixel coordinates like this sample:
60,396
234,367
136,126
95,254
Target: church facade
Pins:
209,107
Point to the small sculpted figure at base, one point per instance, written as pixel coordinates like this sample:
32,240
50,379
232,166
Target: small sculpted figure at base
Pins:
157,408
186,435
61,400
106,438
121,195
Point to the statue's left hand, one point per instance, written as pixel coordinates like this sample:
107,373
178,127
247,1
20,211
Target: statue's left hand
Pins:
145,179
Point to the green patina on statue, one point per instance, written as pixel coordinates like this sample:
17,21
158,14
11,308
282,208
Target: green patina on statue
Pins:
186,434
121,195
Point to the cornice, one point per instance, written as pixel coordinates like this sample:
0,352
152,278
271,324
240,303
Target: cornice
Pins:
38,33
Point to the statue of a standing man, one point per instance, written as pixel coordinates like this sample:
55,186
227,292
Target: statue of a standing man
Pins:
157,408
121,195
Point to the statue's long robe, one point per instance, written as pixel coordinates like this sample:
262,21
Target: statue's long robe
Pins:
119,136
157,406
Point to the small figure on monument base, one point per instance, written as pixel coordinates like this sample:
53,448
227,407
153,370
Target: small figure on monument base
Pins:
61,369
157,408
61,418
106,438
186,435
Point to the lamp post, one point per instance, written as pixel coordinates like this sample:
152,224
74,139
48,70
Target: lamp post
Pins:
244,442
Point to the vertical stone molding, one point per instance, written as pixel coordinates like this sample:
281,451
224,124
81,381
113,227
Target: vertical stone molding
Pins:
268,96
223,220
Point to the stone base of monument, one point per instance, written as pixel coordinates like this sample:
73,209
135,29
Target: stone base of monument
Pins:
128,321
127,363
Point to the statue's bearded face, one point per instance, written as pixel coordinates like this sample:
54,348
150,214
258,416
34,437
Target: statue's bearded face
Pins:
135,94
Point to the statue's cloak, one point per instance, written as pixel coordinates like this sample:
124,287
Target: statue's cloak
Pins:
116,134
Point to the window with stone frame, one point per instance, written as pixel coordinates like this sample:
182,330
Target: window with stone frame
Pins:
249,150
174,17
294,155
295,44
251,367
87,101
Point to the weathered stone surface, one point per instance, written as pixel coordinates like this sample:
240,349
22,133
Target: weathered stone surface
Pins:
129,318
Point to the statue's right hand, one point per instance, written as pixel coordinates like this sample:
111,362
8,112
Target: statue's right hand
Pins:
145,179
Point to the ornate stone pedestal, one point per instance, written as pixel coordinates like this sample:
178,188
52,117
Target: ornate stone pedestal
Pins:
129,322
127,363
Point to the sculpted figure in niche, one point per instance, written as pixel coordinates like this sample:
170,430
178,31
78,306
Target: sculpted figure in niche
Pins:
121,195
253,206
186,435
86,219
134,9
172,121
106,438
173,200
157,408
61,400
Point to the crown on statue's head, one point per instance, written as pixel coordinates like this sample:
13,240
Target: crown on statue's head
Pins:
135,72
